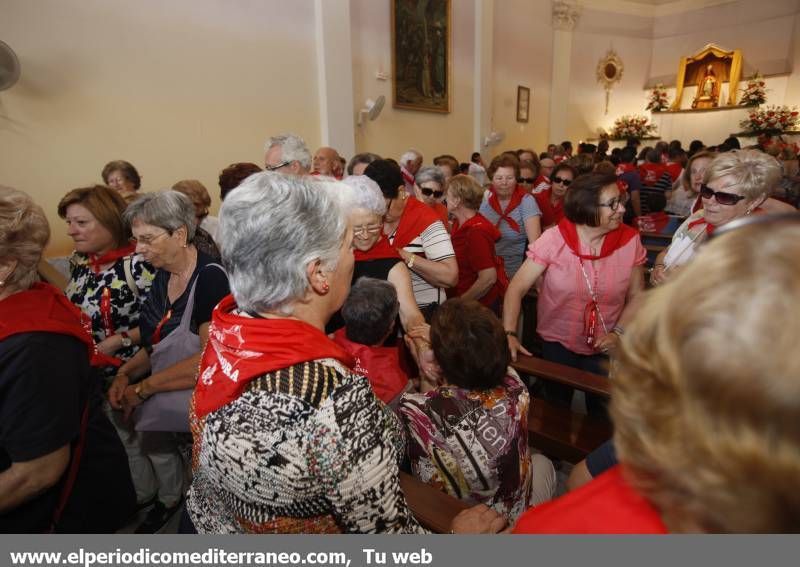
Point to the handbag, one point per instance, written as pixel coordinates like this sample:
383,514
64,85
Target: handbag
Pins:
169,411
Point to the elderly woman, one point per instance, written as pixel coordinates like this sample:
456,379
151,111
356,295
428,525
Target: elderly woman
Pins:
469,435
591,269
123,177
418,235
684,199
481,274
174,327
448,165
233,175
528,173
49,410
287,438
705,419
511,210
430,186
735,184
551,199
359,162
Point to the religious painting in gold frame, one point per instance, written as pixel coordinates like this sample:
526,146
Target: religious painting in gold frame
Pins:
421,55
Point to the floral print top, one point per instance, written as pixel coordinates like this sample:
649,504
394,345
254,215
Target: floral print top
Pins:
87,290
473,444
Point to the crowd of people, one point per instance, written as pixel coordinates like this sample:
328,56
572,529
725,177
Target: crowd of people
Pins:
274,369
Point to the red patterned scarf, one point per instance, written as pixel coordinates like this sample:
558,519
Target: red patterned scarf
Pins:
43,308
516,200
241,348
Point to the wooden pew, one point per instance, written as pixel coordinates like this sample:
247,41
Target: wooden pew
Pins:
432,508
558,431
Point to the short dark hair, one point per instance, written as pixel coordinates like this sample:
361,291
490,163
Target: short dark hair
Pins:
126,169
370,311
581,204
387,175
366,157
627,154
564,166
233,175
505,159
470,344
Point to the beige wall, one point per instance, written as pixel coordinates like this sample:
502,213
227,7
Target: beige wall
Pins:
179,88
397,130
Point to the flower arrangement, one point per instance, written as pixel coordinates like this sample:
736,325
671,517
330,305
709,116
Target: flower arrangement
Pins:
755,93
658,99
771,119
632,126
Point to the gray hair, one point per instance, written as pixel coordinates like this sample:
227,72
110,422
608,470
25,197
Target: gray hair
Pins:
409,155
366,194
293,148
271,228
366,158
430,173
370,311
169,210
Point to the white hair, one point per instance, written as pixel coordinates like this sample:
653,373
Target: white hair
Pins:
365,194
168,209
429,173
293,148
409,155
271,228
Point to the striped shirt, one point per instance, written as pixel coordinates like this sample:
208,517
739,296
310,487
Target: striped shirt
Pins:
434,244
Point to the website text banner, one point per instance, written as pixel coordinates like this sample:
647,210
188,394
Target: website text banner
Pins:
394,551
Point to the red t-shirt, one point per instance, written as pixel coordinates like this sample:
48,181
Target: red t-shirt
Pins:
607,505
651,173
380,365
674,170
441,211
551,214
473,243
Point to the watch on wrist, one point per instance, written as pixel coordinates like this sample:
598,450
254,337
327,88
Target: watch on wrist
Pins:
126,339
410,262
512,334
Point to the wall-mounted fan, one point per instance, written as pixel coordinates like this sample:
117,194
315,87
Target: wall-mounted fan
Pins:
9,67
494,138
372,109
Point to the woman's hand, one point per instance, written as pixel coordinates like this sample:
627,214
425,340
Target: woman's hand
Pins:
130,399
110,345
117,389
515,347
479,519
658,275
606,343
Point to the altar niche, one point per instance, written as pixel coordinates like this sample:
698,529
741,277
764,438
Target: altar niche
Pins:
708,69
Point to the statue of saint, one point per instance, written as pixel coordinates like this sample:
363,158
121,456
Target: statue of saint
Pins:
707,90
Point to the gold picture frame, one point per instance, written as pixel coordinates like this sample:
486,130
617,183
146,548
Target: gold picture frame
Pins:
421,55
523,103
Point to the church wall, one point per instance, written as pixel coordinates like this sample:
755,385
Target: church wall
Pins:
396,130
180,89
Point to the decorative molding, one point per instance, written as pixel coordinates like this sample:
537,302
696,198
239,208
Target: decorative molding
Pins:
648,10
565,15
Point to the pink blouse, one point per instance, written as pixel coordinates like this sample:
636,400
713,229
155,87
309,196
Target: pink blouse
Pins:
564,294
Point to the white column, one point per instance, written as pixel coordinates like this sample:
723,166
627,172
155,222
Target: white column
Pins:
565,17
335,75
482,72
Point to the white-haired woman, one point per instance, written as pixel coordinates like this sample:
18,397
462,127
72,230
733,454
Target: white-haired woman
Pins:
173,325
735,184
287,438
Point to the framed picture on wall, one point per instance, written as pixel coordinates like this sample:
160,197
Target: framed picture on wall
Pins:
523,103
421,55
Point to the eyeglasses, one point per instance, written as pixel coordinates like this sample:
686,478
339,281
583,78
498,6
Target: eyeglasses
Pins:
526,180
276,166
147,240
431,192
564,182
722,198
616,202
364,231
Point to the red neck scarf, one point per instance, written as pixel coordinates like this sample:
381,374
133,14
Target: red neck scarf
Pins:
551,213
110,257
381,249
481,223
613,241
43,308
240,349
625,167
407,177
516,200
416,218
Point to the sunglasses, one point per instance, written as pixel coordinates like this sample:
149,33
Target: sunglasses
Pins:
526,180
431,193
616,202
722,198
564,182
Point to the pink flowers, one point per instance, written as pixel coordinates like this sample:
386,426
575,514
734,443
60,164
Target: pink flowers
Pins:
777,118
632,126
658,99
755,93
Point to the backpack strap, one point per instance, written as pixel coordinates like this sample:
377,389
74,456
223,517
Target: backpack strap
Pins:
126,266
